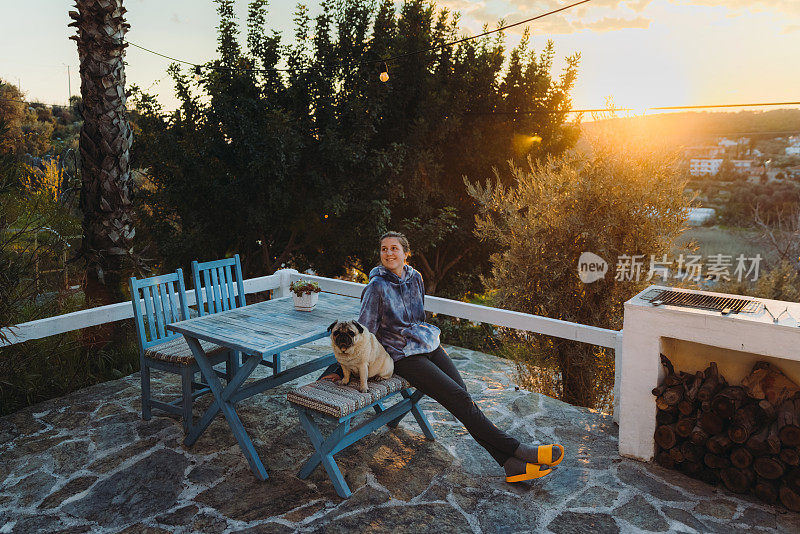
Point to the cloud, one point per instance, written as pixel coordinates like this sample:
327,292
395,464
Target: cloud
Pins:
463,6
493,10
610,24
635,5
787,7
599,15
791,28
638,5
559,24
527,6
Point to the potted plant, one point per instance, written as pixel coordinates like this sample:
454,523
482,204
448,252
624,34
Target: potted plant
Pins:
305,294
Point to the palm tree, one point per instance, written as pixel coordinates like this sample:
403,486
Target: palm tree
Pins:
105,142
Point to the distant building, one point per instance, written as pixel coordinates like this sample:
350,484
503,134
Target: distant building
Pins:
710,166
792,172
704,166
698,216
729,143
701,151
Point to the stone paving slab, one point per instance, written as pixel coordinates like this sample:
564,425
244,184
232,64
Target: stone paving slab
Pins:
88,463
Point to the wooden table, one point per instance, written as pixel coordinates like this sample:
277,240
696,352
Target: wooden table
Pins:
258,331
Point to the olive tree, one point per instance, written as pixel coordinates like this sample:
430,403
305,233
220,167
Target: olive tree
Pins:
615,202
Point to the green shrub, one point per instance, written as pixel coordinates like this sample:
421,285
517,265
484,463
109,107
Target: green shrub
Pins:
31,221
37,370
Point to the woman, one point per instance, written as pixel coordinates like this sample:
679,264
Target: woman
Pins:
392,309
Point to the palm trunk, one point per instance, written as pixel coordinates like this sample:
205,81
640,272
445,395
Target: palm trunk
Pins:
105,141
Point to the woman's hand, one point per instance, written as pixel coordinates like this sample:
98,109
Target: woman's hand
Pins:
332,376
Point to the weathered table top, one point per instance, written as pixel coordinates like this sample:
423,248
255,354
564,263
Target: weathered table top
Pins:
267,327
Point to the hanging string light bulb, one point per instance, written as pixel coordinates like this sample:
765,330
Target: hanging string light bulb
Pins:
384,73
197,73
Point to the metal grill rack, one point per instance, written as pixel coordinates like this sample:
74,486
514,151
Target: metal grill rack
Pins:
724,305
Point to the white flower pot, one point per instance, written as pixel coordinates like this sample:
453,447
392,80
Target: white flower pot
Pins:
305,303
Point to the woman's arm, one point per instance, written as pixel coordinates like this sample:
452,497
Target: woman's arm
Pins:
371,308
421,283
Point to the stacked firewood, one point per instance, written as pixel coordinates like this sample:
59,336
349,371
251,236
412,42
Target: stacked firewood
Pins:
746,437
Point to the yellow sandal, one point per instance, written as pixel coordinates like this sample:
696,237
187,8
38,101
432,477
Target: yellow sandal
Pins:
532,471
544,454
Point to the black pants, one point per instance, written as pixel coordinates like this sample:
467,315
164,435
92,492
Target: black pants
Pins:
434,374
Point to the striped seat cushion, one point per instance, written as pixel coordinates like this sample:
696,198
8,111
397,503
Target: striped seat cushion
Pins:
328,397
177,351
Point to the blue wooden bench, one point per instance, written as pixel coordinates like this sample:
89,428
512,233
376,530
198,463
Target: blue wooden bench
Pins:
328,399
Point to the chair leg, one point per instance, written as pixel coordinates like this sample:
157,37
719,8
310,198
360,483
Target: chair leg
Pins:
394,422
187,377
423,422
232,364
276,364
311,428
144,373
336,477
391,424
418,414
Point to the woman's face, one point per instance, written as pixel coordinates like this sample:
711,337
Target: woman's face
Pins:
392,255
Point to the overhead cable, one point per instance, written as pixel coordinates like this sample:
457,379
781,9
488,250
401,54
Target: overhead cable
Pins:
365,62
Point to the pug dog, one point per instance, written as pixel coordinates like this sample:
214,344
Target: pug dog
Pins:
359,352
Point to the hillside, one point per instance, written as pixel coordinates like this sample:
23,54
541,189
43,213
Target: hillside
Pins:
690,128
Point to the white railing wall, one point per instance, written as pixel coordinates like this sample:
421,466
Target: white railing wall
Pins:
536,324
279,283
485,314
120,311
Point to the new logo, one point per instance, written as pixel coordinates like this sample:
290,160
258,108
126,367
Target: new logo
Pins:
591,267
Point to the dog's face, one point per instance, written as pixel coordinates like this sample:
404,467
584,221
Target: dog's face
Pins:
345,334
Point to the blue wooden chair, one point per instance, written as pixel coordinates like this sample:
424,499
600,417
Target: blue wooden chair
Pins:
219,286
157,302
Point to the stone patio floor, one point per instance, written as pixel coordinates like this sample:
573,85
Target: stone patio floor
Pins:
88,463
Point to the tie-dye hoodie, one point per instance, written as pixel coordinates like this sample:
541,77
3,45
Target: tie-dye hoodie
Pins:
392,308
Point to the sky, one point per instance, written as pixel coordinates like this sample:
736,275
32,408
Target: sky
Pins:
640,53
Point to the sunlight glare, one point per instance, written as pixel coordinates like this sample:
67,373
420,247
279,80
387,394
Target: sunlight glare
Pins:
523,143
